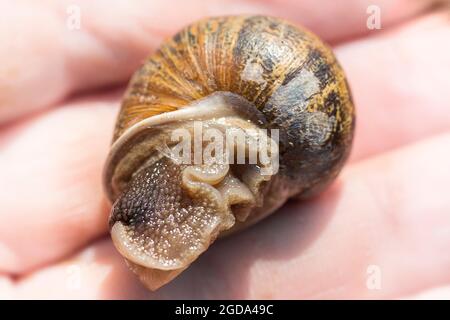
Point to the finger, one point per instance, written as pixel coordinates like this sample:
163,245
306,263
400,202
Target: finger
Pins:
98,272
386,217
438,293
43,62
399,89
7,288
52,198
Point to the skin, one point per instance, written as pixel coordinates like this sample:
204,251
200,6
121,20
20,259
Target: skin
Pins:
388,209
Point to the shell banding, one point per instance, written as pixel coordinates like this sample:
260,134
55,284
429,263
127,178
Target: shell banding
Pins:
240,73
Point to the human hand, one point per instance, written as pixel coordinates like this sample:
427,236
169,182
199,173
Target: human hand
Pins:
380,231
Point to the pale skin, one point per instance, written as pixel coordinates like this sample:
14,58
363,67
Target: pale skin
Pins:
387,215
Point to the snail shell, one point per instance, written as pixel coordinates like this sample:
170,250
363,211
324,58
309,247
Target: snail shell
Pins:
241,72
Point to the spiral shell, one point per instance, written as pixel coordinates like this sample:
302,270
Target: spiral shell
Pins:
268,67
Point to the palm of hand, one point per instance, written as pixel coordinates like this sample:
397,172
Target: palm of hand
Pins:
386,215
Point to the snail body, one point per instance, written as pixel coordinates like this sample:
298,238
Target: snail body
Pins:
245,73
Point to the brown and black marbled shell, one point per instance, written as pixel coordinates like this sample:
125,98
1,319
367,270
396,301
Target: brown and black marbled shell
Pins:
286,72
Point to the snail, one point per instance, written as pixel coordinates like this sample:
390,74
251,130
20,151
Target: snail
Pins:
261,76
